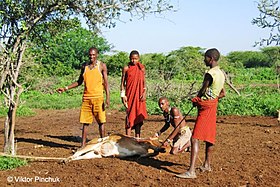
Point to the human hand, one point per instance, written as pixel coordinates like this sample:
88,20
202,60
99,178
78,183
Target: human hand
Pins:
165,144
107,103
60,90
143,96
194,104
195,101
124,101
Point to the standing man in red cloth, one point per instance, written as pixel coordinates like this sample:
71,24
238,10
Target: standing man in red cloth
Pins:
133,94
206,102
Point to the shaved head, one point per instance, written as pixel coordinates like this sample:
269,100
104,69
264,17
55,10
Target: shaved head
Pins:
163,104
163,99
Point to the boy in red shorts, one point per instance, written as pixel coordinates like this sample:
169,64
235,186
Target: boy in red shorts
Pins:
206,102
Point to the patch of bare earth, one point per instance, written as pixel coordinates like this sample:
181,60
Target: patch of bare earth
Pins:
247,153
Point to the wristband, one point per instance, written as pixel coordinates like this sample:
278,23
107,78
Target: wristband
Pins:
169,141
66,88
122,93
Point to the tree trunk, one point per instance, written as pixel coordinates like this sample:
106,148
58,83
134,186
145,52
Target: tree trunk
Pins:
9,146
12,93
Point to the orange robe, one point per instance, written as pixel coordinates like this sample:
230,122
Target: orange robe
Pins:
205,125
136,111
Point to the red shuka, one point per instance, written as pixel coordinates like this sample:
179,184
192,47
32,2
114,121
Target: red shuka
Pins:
205,125
136,111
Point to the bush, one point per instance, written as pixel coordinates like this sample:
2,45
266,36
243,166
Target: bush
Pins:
7,163
253,101
249,59
115,63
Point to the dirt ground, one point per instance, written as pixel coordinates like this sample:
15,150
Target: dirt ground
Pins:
247,153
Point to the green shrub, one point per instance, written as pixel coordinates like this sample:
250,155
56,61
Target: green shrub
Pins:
253,101
7,163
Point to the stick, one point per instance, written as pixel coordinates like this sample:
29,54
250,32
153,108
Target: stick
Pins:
199,160
33,158
230,85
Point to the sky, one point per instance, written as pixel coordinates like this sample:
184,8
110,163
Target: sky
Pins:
223,24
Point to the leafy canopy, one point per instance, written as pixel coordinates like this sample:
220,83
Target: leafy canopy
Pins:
269,18
68,49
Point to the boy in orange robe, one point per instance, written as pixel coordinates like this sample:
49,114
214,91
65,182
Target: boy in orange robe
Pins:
206,102
133,94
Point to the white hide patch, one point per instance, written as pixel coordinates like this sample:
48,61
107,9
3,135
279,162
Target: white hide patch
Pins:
109,149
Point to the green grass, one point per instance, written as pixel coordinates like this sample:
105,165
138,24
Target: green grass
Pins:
7,163
255,99
40,100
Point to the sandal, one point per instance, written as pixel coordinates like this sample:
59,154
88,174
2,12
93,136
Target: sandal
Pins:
204,169
187,175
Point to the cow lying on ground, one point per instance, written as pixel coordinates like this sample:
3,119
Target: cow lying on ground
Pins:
118,145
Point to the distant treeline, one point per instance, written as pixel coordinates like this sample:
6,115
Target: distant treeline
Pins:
63,53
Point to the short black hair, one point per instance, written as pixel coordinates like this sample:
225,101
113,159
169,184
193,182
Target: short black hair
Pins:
213,53
95,49
134,52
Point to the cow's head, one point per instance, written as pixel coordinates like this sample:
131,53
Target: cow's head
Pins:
152,143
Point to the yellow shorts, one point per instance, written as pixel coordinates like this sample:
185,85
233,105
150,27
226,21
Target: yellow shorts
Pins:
93,107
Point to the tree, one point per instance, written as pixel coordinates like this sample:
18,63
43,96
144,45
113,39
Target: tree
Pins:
273,54
19,18
269,18
153,62
248,59
116,62
185,63
63,52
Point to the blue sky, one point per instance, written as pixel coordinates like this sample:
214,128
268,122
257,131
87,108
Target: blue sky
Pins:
224,24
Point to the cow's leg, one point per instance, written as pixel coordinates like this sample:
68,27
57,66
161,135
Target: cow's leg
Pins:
83,155
86,149
88,155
